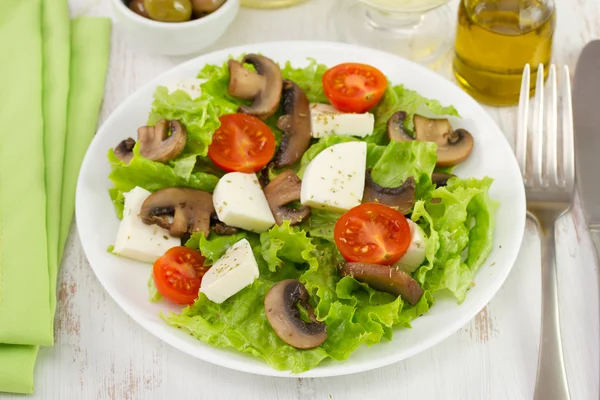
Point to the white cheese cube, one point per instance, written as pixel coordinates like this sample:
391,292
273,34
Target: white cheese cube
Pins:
190,85
326,120
235,270
335,179
240,201
415,255
137,240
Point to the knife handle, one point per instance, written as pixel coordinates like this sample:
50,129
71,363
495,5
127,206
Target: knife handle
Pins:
596,238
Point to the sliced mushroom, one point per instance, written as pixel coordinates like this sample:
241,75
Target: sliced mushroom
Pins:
395,128
203,7
220,227
124,150
284,316
282,190
453,146
440,179
401,197
384,279
263,87
296,125
190,210
157,145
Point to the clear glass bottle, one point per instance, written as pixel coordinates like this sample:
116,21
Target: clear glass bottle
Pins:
494,41
270,3
414,29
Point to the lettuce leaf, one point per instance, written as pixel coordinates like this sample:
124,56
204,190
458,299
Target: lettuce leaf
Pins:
308,78
286,242
401,160
462,221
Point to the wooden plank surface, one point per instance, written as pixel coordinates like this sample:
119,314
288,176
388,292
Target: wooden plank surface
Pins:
102,354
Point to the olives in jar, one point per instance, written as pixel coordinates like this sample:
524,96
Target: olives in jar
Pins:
169,10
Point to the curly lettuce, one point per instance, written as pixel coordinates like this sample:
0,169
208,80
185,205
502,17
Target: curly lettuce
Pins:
354,313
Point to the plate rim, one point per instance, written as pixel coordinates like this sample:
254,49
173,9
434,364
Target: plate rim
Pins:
349,368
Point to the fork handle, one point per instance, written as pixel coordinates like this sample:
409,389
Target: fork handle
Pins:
551,382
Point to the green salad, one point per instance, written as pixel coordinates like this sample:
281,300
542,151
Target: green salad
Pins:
299,213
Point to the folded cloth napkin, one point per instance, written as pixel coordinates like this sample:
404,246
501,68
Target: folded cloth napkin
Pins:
51,86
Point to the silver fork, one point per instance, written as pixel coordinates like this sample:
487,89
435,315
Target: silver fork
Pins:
549,185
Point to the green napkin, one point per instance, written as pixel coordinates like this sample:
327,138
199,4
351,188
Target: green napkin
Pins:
51,85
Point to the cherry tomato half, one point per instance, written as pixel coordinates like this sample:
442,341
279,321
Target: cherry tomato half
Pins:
353,87
372,233
178,274
243,143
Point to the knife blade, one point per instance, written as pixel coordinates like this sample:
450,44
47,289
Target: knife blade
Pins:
586,123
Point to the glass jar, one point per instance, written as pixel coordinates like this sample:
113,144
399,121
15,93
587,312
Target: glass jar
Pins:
414,29
494,41
270,3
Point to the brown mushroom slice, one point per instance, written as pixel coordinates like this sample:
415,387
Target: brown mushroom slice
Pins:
395,128
190,210
203,7
440,179
281,191
402,197
220,227
453,146
284,316
124,150
157,145
263,87
385,279
296,125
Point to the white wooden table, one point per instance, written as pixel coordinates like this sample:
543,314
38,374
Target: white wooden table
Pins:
100,353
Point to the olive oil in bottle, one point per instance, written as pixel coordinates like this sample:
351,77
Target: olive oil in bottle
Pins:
494,41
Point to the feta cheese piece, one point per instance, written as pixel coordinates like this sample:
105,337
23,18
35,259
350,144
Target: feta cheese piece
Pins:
190,85
137,240
240,202
326,120
415,255
335,179
235,270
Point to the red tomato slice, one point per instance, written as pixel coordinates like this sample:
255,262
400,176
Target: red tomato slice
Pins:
243,143
178,274
372,233
353,87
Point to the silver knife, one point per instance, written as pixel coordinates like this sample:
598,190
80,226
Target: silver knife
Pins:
586,122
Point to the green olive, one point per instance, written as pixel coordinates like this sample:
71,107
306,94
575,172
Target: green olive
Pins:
169,10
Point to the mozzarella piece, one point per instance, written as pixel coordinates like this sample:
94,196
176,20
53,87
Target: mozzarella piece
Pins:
326,120
136,239
240,201
415,255
335,179
190,85
235,270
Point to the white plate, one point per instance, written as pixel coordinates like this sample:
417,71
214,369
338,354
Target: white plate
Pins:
126,280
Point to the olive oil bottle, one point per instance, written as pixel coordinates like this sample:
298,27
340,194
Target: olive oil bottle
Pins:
494,41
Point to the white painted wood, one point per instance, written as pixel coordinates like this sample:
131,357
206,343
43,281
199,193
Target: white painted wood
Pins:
102,354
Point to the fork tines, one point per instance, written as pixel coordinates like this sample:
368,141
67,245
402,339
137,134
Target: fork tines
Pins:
541,165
